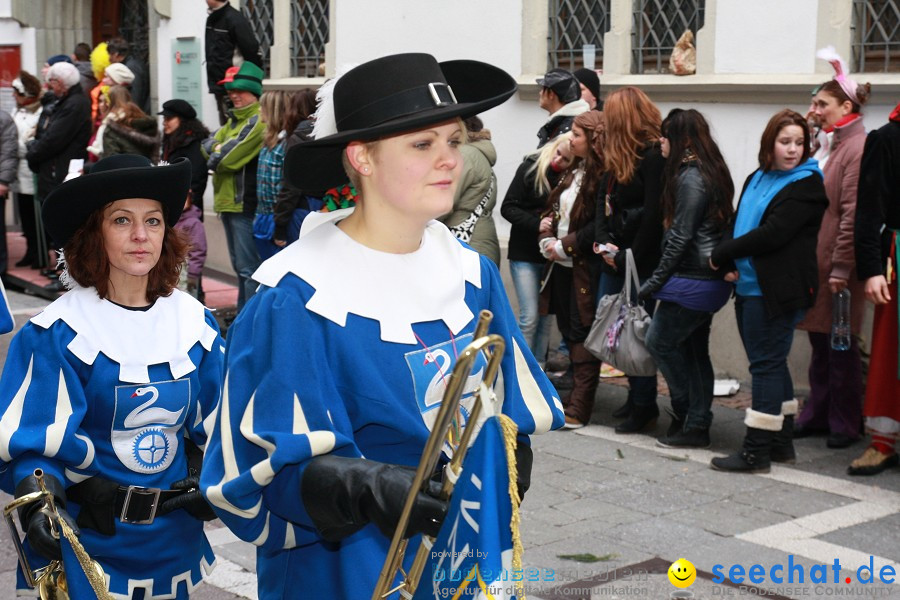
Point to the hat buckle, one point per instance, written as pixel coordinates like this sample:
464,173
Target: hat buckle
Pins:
435,95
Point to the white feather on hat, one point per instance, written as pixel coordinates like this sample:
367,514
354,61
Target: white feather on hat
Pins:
324,121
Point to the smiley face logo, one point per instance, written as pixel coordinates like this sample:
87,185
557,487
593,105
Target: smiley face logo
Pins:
682,573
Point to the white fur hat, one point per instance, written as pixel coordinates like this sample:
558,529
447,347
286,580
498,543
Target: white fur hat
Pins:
67,73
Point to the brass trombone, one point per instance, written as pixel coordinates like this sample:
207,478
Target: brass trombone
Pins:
50,580
493,347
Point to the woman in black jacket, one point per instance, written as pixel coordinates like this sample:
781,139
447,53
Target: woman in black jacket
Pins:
773,245
523,206
182,136
629,217
697,195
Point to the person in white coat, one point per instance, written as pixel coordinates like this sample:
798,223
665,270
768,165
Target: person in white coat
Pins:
27,94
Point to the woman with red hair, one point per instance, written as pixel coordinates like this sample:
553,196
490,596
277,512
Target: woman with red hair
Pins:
630,218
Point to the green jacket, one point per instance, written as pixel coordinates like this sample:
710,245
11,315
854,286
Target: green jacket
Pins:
232,154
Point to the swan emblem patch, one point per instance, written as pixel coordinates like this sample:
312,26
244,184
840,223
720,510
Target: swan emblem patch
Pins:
431,368
147,423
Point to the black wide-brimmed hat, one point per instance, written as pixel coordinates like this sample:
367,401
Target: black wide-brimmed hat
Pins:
390,95
117,177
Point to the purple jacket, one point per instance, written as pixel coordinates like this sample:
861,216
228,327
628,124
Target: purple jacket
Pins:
191,224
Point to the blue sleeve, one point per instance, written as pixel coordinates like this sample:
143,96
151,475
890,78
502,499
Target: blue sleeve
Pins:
209,375
280,407
526,394
43,404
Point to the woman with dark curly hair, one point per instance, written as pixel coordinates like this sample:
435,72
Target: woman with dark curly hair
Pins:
108,388
182,136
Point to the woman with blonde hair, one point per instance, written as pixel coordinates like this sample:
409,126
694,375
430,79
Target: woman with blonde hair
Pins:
306,462
279,114
630,218
566,240
523,207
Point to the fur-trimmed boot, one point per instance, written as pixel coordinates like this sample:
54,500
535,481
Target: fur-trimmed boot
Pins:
755,455
783,444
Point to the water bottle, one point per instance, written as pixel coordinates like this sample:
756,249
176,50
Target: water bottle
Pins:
840,320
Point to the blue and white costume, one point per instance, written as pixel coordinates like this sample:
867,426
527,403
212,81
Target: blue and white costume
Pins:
344,350
92,388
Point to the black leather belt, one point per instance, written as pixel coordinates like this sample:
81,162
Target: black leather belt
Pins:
138,505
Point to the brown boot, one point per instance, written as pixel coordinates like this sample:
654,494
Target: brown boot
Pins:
586,369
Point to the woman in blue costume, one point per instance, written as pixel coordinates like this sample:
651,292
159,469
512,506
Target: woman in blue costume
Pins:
107,390
335,370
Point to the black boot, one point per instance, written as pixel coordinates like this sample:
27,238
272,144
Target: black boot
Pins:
783,443
756,454
624,411
677,424
641,417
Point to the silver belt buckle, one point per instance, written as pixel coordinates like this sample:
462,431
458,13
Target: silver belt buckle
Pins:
140,491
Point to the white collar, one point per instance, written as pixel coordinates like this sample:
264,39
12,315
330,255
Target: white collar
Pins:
134,339
397,290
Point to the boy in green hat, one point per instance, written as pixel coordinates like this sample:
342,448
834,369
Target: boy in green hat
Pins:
232,154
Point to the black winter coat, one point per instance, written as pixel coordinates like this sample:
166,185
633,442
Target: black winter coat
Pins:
188,146
523,207
226,30
783,247
692,236
62,137
636,218
878,200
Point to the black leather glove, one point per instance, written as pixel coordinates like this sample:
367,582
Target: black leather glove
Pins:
342,495
191,500
37,524
524,460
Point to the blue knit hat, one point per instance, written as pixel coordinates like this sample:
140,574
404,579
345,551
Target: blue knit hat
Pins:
59,58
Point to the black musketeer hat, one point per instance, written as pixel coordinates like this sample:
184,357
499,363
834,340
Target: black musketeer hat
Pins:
117,177
393,94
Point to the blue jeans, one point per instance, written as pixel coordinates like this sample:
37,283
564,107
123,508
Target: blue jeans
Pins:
678,339
641,390
767,341
242,251
535,327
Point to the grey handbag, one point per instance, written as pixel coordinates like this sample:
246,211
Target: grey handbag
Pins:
620,328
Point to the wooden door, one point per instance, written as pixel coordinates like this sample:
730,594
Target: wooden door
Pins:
105,20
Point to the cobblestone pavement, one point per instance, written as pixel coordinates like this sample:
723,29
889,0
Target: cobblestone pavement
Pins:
636,508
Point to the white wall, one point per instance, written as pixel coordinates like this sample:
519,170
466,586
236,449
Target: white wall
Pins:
188,19
757,37
464,29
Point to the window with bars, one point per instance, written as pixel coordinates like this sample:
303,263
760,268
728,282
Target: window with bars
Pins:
135,30
261,15
876,36
309,33
656,26
574,24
